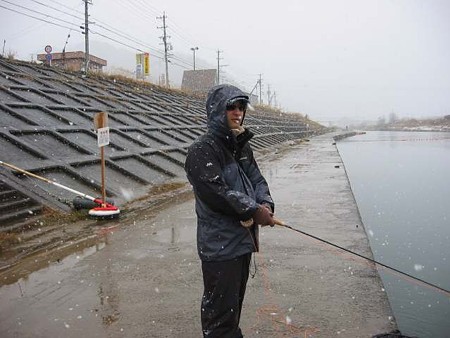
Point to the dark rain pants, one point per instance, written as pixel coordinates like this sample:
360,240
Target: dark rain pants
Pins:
224,290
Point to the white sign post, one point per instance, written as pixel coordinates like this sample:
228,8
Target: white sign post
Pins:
101,124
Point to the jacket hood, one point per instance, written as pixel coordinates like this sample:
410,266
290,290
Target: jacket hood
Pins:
216,104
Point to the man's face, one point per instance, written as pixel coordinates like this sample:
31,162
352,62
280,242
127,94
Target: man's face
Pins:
235,114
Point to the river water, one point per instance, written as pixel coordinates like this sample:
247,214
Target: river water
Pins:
401,183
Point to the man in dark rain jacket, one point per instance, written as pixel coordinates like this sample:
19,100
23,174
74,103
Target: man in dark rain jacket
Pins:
232,199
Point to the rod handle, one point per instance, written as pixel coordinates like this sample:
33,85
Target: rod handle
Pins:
278,222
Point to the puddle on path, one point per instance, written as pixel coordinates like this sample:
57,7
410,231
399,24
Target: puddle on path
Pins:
52,261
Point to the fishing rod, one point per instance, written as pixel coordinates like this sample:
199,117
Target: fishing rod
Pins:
103,208
281,223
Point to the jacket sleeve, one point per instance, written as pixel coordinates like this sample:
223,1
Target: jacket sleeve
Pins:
258,181
204,172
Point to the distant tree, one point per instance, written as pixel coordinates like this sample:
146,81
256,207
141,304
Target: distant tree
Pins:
120,71
381,121
447,117
11,55
393,117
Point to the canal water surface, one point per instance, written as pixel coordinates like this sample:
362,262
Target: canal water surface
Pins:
401,183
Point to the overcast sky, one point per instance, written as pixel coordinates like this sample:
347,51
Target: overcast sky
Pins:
330,59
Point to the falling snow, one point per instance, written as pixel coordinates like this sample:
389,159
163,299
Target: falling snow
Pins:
418,267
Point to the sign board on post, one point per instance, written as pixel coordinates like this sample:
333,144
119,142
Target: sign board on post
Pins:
139,66
146,64
103,136
139,72
142,65
101,125
48,49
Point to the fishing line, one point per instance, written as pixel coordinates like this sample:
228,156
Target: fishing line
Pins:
364,257
272,310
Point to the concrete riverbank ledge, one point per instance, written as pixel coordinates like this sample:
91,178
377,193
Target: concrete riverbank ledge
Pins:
143,276
323,291
341,136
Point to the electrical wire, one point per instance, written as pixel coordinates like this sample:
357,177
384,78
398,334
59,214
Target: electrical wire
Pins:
132,47
117,41
65,6
152,9
40,13
127,37
138,6
34,17
58,10
180,60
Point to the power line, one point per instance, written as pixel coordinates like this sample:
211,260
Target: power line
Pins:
40,13
137,13
133,7
145,6
56,9
64,12
129,38
34,17
65,6
117,41
103,35
71,28
184,64
132,47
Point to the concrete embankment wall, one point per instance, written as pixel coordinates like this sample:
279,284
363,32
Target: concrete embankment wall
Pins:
47,127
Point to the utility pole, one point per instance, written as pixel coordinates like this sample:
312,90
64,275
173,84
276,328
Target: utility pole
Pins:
166,45
260,90
194,49
3,52
86,35
269,98
64,51
218,65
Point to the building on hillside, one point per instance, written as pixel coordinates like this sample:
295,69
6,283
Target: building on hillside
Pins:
199,81
73,61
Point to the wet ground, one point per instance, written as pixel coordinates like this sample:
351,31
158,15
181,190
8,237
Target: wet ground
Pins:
141,277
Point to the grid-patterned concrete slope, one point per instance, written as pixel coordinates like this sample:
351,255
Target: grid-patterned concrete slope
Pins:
46,127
